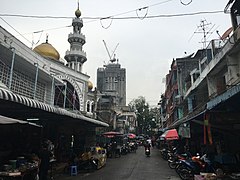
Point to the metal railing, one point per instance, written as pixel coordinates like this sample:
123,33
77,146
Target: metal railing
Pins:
21,84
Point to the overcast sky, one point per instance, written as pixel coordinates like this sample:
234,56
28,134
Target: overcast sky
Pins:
147,45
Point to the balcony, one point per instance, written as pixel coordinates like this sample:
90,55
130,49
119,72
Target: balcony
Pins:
73,37
70,55
217,59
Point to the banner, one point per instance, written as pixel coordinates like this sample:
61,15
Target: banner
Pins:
184,131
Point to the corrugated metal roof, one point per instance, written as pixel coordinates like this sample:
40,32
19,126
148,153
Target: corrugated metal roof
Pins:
223,97
10,96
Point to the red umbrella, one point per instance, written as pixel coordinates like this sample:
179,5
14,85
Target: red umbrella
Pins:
111,134
131,135
170,134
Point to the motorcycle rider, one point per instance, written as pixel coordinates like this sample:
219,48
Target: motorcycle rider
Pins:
147,145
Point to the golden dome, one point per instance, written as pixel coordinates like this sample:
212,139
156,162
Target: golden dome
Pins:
90,85
47,50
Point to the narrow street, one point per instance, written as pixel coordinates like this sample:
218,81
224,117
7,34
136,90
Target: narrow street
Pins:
133,166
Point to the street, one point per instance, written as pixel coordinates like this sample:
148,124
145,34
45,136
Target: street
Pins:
133,166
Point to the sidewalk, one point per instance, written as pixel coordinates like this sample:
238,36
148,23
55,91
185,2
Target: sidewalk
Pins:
59,174
69,177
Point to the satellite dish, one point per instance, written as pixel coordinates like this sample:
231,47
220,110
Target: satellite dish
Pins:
227,33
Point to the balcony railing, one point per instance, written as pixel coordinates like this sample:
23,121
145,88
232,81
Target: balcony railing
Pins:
76,52
22,84
77,35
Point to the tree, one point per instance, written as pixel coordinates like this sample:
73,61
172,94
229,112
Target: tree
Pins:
144,117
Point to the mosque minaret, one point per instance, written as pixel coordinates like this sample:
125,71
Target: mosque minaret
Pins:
76,56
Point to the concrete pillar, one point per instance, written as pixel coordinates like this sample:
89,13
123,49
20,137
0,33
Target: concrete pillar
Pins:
90,137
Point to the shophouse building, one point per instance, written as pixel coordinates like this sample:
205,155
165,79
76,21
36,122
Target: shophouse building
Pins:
175,85
211,97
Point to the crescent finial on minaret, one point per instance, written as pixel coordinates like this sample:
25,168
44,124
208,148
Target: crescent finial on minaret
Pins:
78,12
46,38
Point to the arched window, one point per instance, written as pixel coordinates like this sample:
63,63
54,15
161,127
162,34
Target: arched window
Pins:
93,107
66,97
88,106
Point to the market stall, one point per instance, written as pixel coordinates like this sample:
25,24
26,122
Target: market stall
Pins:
20,141
24,169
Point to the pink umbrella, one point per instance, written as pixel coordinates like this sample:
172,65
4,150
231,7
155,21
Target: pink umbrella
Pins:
131,135
111,134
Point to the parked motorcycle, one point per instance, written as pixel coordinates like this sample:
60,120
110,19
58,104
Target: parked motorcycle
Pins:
187,168
132,147
164,153
124,149
171,153
87,165
174,159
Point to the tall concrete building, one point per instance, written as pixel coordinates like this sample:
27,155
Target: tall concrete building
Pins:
111,80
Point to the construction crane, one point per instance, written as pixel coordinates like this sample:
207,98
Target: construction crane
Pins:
111,56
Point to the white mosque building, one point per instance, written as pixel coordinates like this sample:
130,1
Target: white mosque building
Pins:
37,84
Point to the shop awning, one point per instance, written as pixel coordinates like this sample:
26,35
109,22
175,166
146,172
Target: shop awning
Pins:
187,119
111,134
6,120
35,106
170,134
223,97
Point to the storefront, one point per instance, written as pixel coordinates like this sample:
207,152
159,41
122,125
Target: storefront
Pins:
224,113
69,132
20,142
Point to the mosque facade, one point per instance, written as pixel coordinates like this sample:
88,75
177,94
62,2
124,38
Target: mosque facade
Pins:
37,84
76,83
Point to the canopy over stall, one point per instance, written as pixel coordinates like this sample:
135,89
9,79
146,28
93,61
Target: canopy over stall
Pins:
6,120
111,134
18,138
170,134
131,136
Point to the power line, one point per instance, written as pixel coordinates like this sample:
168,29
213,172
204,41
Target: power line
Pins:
68,17
49,29
185,4
15,30
35,16
112,17
173,15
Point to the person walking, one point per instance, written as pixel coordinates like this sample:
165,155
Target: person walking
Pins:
44,156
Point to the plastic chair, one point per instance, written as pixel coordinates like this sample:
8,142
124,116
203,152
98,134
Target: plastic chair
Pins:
73,170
